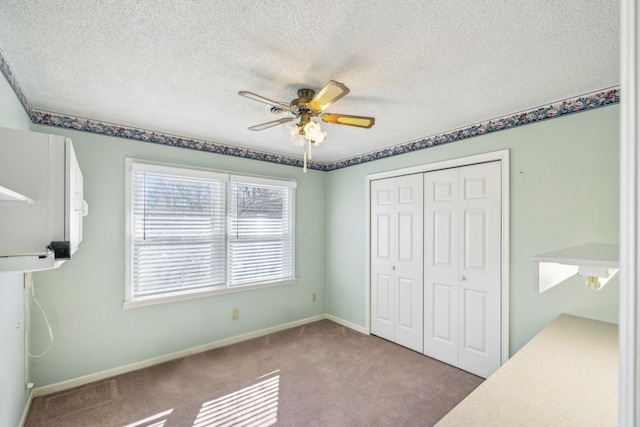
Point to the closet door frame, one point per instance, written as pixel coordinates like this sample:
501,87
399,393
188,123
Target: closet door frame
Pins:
503,157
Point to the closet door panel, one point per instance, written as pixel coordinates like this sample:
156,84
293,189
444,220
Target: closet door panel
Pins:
444,306
384,237
479,270
406,237
383,305
409,261
383,313
475,240
475,333
443,243
441,266
410,322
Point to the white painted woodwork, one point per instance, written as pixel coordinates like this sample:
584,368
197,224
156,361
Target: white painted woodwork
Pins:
441,265
552,268
10,197
444,252
396,243
629,411
382,256
480,209
463,267
409,260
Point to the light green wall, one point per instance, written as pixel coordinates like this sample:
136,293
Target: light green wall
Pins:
564,192
83,298
12,115
13,393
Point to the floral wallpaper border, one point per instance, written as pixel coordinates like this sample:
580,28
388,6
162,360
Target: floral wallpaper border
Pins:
102,128
557,109
13,82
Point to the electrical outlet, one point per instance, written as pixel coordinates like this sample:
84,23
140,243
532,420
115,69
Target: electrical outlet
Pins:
313,297
235,314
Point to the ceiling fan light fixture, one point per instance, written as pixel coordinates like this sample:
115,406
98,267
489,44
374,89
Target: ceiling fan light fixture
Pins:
312,130
298,140
319,139
290,130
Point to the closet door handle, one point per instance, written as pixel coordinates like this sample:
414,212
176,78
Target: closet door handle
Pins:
393,268
462,278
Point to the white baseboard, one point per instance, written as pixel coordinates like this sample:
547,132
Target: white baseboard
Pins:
64,385
27,406
348,324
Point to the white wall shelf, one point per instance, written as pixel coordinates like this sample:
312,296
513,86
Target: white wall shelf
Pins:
552,268
21,264
9,197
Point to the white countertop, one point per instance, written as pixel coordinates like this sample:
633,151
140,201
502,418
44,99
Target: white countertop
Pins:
567,375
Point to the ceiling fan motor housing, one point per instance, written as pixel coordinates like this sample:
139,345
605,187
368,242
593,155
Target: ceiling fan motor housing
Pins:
304,98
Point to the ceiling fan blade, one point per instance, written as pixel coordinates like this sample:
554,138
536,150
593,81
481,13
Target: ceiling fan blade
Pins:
268,125
330,93
344,119
267,101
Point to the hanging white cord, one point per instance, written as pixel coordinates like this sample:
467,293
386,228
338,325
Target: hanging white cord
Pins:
26,304
26,334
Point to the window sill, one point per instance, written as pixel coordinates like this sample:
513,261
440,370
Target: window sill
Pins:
143,302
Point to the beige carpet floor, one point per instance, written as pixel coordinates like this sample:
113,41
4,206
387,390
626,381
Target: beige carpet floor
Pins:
320,374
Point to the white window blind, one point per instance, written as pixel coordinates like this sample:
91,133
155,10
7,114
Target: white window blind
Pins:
192,231
178,225
260,238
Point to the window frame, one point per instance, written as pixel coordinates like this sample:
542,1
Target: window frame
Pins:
198,172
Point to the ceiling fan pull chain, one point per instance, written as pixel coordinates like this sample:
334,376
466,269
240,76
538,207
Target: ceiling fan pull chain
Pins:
304,168
310,155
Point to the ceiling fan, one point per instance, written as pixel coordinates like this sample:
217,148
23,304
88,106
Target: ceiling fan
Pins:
310,104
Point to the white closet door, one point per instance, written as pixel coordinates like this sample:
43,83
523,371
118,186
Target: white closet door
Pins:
382,222
462,301
441,265
480,268
396,260
409,261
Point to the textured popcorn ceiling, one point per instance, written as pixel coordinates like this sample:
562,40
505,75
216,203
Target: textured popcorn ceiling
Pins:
418,67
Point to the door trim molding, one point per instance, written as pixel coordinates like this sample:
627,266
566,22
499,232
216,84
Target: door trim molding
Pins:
629,331
503,157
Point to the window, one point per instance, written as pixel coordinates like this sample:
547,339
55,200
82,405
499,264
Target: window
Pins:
194,231
260,241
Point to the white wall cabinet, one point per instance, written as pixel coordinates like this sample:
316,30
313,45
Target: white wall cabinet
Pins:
436,271
41,200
